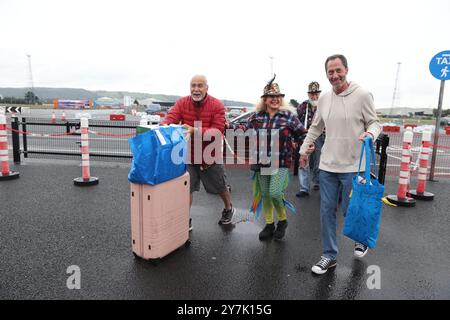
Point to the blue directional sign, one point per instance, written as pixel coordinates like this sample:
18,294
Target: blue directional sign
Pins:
440,65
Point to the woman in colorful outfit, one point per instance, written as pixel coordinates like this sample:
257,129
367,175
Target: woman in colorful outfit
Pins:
272,113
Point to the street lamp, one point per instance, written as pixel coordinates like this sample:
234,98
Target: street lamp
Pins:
271,66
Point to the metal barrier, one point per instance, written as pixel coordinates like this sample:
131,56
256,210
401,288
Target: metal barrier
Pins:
109,142
381,145
41,139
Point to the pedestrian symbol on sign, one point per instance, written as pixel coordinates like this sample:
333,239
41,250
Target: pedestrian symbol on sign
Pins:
444,72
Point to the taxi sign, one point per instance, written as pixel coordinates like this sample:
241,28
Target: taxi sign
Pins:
440,65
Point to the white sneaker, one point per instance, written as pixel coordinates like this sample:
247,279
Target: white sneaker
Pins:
227,215
360,250
323,265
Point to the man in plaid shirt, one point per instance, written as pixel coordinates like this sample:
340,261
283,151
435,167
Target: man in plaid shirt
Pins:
306,112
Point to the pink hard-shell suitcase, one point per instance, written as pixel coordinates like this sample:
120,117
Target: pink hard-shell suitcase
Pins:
160,217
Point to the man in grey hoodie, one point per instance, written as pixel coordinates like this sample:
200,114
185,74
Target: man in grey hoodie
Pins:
348,113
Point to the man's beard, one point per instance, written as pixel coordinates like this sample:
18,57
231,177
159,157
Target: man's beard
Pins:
313,102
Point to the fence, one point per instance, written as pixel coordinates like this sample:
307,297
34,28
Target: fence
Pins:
41,139
394,151
38,138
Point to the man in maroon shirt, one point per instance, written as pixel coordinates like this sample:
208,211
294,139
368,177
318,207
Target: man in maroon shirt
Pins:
203,116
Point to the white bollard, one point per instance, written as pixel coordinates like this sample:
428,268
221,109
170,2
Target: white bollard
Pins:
401,198
85,179
420,193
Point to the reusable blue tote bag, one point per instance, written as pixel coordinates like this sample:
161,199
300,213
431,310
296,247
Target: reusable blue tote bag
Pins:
363,217
158,155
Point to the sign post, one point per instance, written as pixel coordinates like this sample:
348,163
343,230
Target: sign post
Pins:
440,69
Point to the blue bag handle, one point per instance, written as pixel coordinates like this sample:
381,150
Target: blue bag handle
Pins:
369,150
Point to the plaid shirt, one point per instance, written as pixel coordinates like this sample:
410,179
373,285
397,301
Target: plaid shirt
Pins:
289,128
301,113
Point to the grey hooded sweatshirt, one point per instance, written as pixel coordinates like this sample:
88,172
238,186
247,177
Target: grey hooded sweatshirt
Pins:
345,116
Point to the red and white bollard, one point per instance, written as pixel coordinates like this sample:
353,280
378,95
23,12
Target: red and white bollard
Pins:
401,199
53,117
6,173
63,116
85,179
420,192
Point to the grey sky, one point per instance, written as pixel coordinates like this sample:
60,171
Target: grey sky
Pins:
156,46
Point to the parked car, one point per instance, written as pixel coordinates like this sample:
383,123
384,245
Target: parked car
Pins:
240,119
234,111
155,113
445,121
153,108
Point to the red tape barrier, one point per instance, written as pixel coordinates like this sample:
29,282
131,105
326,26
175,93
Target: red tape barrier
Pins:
69,133
112,134
40,134
440,147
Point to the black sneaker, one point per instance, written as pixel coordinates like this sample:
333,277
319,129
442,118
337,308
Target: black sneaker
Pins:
190,224
267,232
280,230
316,187
323,265
227,215
302,194
360,250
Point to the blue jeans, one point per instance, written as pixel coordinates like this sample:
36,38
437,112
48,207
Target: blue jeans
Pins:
313,167
303,178
331,185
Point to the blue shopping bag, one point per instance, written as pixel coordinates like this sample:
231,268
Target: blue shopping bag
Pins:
158,155
362,221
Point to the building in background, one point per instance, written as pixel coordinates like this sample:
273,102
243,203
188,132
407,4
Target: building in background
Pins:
72,104
107,103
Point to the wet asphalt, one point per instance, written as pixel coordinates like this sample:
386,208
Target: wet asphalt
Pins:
47,225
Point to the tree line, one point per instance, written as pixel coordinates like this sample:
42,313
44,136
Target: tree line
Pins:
29,98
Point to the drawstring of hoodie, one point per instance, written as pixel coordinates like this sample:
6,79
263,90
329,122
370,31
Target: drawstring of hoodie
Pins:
345,108
345,111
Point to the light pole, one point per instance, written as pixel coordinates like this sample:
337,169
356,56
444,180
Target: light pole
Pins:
31,80
271,66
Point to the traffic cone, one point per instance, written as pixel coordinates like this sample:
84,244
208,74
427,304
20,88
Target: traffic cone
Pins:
63,117
85,179
401,199
419,192
6,173
53,117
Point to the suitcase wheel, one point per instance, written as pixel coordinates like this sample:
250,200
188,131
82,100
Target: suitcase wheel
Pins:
187,243
155,261
136,256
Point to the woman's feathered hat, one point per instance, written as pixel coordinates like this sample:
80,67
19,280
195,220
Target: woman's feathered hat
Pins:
272,89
